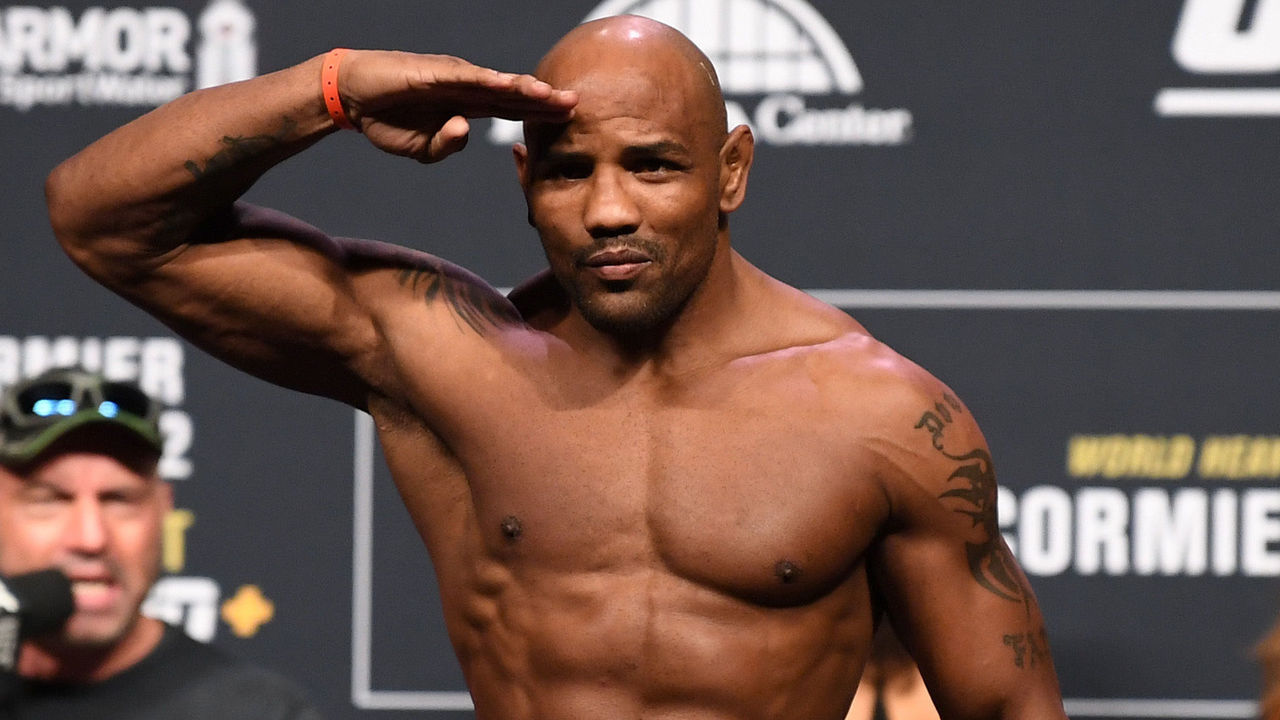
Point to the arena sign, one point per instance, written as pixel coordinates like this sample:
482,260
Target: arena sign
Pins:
784,70
1231,38
121,56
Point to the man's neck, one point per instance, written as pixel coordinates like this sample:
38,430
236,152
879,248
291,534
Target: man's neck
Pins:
56,661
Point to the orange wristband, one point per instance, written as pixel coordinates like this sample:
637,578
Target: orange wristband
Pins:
329,86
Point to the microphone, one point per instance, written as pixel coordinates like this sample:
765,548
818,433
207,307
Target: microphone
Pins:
31,604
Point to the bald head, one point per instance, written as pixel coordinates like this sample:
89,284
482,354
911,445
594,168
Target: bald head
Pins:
627,57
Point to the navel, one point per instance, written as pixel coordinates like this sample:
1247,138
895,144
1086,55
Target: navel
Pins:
511,528
787,571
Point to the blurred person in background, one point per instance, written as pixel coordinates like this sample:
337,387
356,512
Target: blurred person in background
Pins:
1268,654
79,492
891,687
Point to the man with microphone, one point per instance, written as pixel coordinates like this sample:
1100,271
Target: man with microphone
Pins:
79,494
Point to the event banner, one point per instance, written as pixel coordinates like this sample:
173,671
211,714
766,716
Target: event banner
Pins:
1064,212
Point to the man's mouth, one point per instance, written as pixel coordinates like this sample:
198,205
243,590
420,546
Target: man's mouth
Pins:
94,594
617,263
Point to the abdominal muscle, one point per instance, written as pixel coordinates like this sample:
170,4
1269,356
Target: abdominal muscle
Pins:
645,643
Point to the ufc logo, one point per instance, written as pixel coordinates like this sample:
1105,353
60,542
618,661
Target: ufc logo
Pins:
1229,36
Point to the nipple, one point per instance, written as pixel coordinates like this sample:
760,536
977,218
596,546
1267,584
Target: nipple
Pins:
511,528
786,571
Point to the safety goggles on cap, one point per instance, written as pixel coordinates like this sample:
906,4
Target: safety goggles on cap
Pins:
36,412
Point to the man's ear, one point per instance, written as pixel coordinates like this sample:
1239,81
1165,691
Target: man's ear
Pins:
735,165
521,154
165,490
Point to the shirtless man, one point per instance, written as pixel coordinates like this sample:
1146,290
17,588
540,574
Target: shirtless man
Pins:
655,482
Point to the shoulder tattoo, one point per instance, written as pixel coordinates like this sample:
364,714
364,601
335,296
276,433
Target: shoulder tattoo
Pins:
971,492
479,307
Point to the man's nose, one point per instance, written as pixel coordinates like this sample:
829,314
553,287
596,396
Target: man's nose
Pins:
87,533
610,210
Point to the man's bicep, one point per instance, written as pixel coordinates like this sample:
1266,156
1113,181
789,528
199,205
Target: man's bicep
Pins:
982,654
272,301
294,306
953,589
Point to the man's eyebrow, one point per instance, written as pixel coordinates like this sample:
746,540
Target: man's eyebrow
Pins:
556,156
660,147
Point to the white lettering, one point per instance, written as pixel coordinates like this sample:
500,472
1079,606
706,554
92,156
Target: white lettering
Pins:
1102,539
1007,516
1259,554
123,40
195,598
70,42
120,358
178,432
1214,36
116,89
123,44
155,363
41,353
23,35
1171,540
1043,536
9,358
1226,532
735,115
1154,530
161,370
167,33
785,120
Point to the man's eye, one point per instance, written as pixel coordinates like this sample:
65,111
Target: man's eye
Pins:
44,497
654,166
568,171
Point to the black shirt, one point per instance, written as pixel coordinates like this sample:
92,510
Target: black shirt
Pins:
180,679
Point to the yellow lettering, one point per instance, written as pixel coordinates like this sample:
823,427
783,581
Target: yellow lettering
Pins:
1220,456
1136,456
1084,455
1238,457
176,523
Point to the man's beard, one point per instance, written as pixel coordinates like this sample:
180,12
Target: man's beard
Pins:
632,318
627,311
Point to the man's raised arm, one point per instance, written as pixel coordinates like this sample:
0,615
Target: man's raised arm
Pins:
148,209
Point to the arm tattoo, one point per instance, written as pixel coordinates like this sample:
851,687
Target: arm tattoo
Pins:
237,149
1030,648
478,307
973,485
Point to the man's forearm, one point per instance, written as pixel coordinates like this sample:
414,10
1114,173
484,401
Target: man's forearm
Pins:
146,188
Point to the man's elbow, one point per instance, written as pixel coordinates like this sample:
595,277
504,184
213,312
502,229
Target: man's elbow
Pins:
65,217
95,238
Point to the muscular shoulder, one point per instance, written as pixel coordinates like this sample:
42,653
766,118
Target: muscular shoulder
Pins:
910,425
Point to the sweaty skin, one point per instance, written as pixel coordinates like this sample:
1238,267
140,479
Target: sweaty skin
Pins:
655,482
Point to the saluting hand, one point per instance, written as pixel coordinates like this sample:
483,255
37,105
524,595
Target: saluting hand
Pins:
418,105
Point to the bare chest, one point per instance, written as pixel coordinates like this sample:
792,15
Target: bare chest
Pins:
754,496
